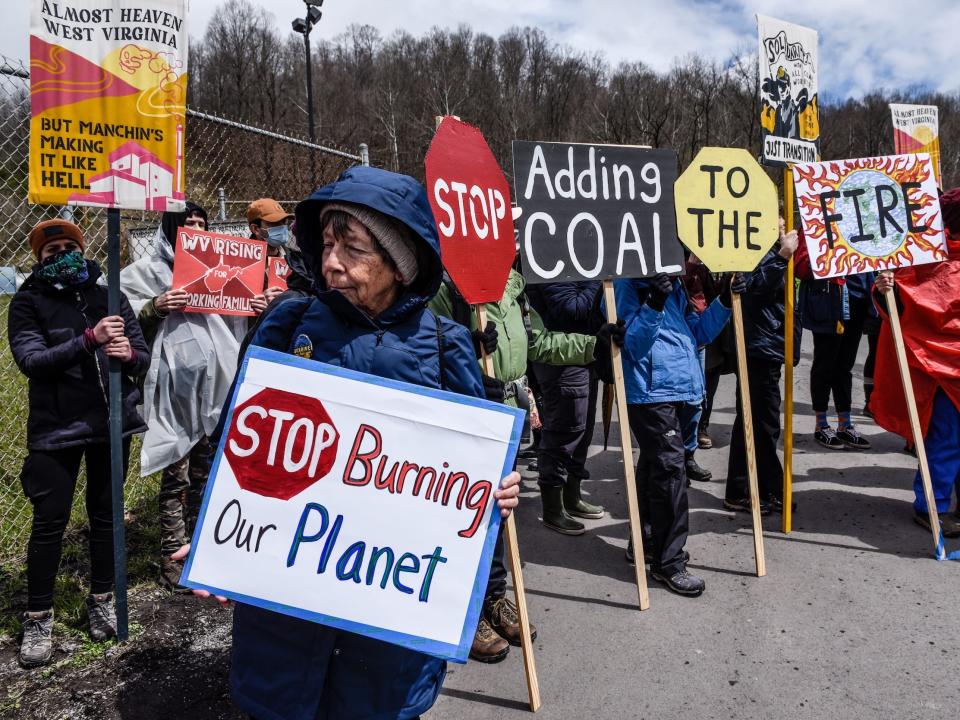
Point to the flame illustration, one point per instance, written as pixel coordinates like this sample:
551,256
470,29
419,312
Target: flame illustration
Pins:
843,259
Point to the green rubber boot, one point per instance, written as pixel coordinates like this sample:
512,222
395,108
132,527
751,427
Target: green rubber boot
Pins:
554,516
574,503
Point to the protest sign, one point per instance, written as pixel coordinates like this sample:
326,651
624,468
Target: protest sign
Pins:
221,273
869,214
790,127
470,199
595,212
916,129
358,502
727,209
277,272
108,88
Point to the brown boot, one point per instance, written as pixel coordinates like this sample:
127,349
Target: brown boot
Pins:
170,572
488,647
503,618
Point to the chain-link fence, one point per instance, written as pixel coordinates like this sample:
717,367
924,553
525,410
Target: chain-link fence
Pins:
228,164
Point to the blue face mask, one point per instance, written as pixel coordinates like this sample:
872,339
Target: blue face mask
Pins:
278,236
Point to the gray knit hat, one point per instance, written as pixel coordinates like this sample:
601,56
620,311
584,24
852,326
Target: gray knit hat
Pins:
395,237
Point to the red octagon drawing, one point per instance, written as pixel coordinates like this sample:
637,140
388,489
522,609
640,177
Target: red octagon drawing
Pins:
470,198
280,443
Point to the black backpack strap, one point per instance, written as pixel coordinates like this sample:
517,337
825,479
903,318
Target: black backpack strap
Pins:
443,373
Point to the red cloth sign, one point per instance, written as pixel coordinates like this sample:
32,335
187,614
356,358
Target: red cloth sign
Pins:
221,273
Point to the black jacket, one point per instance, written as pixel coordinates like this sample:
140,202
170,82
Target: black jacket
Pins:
763,311
67,384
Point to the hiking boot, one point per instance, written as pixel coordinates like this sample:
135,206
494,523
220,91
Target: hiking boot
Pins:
681,582
502,615
37,644
743,505
827,437
170,572
949,524
554,516
695,472
574,503
488,647
776,505
852,438
102,616
703,440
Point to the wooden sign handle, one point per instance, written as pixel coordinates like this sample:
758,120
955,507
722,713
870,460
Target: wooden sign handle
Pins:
747,414
894,314
786,524
629,472
513,553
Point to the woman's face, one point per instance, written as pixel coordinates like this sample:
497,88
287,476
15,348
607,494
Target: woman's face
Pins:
55,246
353,266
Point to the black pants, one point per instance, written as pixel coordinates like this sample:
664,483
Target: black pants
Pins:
662,481
764,379
834,356
497,582
568,416
49,478
712,377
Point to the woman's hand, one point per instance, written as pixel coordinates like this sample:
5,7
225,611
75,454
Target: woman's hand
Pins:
258,303
788,243
171,300
119,348
271,293
109,328
181,554
884,282
508,496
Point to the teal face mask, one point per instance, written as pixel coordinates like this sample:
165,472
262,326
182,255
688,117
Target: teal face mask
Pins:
67,267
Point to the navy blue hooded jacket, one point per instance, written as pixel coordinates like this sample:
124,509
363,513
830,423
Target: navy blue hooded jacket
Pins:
285,668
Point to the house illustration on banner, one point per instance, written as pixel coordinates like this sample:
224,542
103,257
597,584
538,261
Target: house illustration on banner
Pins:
137,179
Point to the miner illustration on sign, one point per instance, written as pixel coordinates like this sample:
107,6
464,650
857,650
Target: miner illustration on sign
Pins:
727,215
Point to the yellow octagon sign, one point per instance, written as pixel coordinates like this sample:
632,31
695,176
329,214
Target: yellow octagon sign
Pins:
727,210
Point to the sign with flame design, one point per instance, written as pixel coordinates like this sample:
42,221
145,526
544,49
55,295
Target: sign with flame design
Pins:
108,94
869,214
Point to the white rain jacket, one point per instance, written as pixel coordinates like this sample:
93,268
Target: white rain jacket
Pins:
192,364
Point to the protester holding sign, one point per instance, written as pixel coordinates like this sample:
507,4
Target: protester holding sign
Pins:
371,241
929,300
193,361
62,339
271,223
763,329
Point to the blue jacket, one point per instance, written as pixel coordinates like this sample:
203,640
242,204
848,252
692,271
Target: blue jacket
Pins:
285,668
825,303
661,359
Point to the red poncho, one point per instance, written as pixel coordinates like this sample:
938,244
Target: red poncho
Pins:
930,295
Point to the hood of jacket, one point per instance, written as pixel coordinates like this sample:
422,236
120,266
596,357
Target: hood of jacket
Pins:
399,196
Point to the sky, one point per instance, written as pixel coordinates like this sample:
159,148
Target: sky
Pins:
865,45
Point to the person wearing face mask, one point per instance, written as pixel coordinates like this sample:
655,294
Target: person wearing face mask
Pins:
194,359
271,223
62,339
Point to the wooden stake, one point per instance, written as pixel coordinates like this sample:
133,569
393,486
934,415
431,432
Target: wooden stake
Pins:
629,472
894,314
513,552
788,299
747,413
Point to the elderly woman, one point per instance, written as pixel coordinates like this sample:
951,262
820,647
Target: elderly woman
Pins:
371,241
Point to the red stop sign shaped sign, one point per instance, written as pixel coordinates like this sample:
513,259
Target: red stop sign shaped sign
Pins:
280,443
470,198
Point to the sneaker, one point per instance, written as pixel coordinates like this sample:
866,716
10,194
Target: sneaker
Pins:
827,437
743,505
681,582
36,648
488,647
502,615
695,472
852,438
949,524
103,618
704,442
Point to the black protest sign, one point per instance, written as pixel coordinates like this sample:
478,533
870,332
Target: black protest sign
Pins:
595,212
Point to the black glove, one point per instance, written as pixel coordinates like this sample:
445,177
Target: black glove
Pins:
602,355
611,333
485,339
660,287
733,283
493,388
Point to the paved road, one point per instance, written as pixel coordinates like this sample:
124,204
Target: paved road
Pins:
854,619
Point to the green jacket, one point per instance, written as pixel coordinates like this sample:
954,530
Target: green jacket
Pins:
514,348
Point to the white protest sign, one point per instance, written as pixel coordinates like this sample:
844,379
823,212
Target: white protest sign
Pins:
354,501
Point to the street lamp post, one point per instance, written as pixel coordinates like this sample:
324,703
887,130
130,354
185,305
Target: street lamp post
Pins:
303,26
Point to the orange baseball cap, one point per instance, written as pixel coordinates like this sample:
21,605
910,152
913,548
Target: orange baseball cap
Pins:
266,209
56,229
